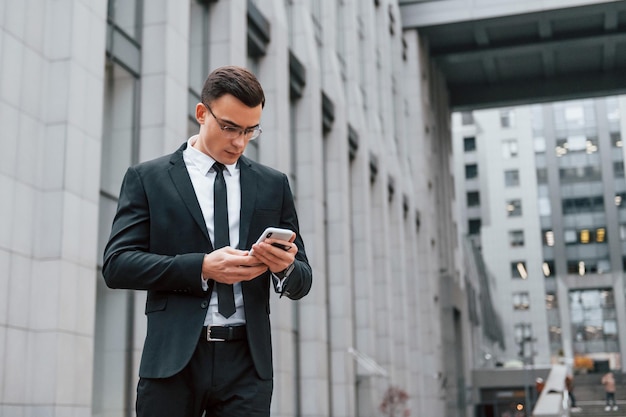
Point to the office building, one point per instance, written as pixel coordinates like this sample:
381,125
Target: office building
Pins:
543,187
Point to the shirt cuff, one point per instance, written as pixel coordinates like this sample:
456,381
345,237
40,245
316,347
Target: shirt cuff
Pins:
278,283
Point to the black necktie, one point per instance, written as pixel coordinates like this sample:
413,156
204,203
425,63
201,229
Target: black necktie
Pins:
225,296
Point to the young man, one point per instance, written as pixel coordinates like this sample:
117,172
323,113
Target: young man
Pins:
183,230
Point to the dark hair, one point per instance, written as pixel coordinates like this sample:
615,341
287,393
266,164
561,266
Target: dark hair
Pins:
237,81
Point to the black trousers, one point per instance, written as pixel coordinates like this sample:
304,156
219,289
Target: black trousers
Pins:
610,398
219,380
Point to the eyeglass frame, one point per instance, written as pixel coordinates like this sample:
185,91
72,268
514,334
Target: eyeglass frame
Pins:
229,128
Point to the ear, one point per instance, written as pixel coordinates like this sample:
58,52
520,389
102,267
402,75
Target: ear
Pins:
201,113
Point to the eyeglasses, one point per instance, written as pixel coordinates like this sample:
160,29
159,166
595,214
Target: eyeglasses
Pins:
233,132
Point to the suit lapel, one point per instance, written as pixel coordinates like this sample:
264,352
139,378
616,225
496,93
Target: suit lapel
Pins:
248,181
182,182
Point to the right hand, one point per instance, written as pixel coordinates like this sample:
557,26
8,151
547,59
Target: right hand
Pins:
229,265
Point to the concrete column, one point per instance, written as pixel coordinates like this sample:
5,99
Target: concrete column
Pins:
315,389
164,78
51,73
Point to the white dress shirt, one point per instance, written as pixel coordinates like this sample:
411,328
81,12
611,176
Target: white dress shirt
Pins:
200,168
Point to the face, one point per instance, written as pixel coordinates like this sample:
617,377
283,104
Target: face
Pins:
230,112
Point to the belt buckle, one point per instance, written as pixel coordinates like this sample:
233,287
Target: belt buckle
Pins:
210,339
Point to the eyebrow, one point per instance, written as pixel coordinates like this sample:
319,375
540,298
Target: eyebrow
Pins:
239,126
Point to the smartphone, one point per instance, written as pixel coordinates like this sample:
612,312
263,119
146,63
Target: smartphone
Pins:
276,233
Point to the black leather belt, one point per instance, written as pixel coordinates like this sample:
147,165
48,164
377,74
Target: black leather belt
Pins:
223,333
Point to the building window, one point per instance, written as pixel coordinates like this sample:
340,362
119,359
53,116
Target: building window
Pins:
593,320
548,237
580,174
516,238
583,267
471,171
548,268
539,144
584,236
521,300
467,118
616,139
469,144
473,199
542,175
593,204
514,208
518,270
509,148
511,178
507,118
576,143
523,332
473,226
618,169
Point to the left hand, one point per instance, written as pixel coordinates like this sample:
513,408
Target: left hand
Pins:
276,258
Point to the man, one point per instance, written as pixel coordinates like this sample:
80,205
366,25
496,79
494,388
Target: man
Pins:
569,384
184,226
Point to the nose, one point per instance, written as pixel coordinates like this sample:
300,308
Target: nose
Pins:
240,141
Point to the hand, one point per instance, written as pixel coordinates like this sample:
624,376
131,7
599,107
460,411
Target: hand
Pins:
276,258
229,265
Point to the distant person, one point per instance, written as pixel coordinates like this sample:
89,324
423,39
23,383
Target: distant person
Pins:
539,385
608,380
569,383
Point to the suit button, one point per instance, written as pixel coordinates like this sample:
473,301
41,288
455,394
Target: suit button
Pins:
204,304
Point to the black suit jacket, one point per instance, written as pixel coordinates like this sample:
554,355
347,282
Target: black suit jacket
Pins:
158,242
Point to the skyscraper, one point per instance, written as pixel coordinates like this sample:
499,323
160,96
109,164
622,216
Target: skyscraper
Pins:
544,188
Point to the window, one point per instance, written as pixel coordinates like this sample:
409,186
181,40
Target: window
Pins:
591,204
473,199
473,226
585,235
548,237
471,171
469,144
580,174
511,178
467,118
516,238
507,118
618,169
593,320
523,332
539,143
518,270
576,143
570,237
509,148
542,175
548,268
616,139
514,208
521,300
551,301
543,204
583,267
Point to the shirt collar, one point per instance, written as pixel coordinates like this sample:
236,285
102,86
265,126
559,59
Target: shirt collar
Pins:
203,161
